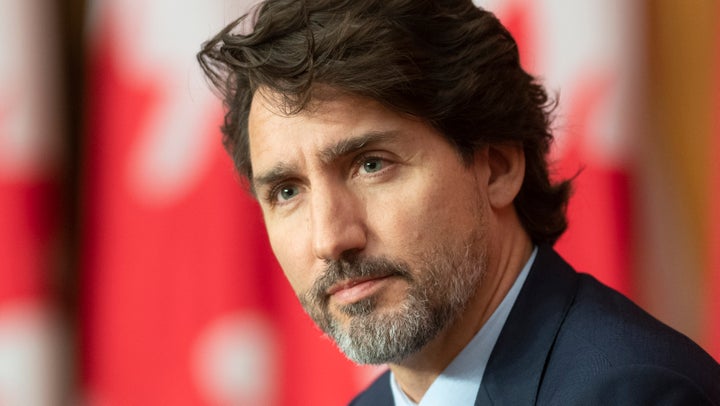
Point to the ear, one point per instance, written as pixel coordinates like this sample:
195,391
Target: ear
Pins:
507,171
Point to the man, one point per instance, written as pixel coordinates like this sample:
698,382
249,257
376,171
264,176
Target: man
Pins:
398,152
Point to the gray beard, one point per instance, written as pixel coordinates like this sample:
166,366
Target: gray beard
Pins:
439,291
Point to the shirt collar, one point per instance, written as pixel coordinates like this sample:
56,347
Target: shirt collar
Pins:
460,381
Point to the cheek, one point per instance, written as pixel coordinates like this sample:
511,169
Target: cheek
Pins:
399,218
424,215
292,252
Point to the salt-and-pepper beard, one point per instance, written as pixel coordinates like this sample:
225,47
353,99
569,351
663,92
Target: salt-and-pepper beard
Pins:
438,291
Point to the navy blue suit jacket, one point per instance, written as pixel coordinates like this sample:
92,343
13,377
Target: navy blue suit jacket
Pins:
570,340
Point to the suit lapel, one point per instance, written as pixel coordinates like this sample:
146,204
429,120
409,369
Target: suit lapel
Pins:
516,365
378,394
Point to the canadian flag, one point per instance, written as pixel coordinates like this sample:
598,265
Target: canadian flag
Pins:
30,132
594,72
183,302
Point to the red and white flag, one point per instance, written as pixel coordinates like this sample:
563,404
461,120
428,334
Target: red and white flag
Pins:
183,302
30,133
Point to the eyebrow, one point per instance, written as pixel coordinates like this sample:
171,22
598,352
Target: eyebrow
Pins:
276,174
284,170
353,144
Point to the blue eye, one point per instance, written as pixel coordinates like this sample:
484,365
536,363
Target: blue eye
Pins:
285,193
372,165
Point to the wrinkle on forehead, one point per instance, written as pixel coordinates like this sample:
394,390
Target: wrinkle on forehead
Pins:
318,98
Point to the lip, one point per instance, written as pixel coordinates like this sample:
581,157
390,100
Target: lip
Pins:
350,291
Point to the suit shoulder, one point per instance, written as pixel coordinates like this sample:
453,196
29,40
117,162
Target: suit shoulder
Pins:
606,337
635,385
611,323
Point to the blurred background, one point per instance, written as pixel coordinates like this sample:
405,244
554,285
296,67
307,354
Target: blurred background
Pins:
135,271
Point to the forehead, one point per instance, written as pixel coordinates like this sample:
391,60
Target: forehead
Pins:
326,109
273,133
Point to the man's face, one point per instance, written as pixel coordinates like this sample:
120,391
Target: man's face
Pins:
377,223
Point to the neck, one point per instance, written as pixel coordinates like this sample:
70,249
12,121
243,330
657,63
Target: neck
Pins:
507,257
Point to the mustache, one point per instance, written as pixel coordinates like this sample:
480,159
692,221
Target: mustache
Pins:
354,268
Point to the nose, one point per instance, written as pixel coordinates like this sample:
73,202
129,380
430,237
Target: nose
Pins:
337,222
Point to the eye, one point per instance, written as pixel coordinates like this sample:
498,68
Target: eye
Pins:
372,165
287,192
284,193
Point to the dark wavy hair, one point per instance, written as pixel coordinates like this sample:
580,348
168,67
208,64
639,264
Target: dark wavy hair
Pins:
445,61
